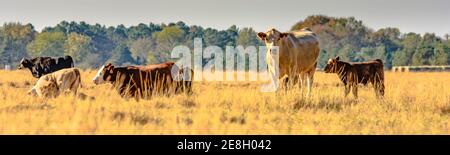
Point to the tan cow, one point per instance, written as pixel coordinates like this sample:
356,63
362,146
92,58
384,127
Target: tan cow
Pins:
296,56
53,84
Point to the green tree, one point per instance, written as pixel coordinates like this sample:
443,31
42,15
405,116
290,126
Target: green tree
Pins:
102,40
247,37
194,32
122,55
211,37
410,43
441,55
78,46
401,58
166,40
347,52
152,58
47,44
381,53
422,56
388,37
140,31
378,52
3,53
368,53
323,58
425,51
14,38
229,36
117,34
140,49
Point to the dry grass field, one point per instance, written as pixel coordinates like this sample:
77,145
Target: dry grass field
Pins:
415,103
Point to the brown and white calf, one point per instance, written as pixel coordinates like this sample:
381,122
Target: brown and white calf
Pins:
354,73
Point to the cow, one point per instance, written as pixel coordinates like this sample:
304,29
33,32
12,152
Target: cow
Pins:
295,59
52,85
354,73
144,81
40,66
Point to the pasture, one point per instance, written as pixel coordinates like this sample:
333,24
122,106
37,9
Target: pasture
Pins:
415,103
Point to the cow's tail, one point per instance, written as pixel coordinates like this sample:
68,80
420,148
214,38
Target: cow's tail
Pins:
78,74
379,60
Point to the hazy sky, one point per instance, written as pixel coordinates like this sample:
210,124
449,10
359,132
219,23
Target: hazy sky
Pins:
408,15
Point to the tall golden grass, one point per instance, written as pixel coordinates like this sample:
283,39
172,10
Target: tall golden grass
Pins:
415,103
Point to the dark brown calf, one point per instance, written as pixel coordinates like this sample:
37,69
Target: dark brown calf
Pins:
352,74
143,81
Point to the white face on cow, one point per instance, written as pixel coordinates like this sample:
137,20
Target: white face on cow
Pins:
271,48
98,79
331,65
271,39
329,61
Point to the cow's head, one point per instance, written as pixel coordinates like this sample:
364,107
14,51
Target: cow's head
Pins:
272,39
25,63
332,65
32,91
104,74
182,73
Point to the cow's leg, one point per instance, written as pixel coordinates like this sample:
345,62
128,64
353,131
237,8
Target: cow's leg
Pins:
381,83
355,90
301,82
310,80
347,90
376,88
378,84
75,91
74,87
379,89
292,81
304,83
296,81
274,80
286,82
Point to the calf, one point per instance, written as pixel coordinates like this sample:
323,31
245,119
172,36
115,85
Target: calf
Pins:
53,84
143,81
352,74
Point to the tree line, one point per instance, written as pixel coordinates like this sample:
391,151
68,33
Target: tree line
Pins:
352,40
91,45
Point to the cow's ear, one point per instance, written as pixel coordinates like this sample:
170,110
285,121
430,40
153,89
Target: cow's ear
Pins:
262,35
337,58
110,69
26,61
282,35
51,80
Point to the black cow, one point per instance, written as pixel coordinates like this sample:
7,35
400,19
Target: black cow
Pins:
43,65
